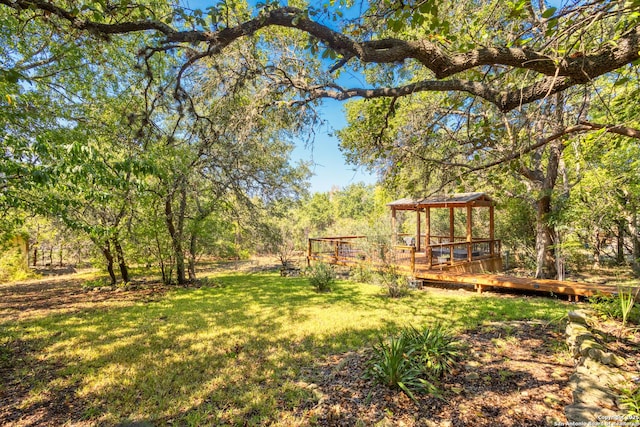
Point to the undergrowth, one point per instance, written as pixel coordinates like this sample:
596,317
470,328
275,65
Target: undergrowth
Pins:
321,277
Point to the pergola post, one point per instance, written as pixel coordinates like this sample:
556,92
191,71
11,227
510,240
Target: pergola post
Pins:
491,231
427,223
427,237
452,225
469,232
394,231
418,229
452,237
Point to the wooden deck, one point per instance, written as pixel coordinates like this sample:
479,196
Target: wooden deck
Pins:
481,282
462,263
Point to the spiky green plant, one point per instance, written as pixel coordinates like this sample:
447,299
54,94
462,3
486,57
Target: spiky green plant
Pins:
627,299
434,348
415,359
394,366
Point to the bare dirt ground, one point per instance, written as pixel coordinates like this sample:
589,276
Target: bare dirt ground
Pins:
63,294
512,374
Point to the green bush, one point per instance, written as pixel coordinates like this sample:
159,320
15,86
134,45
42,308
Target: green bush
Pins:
395,283
321,277
415,360
630,400
361,274
12,265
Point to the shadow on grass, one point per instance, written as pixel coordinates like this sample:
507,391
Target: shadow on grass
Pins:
232,354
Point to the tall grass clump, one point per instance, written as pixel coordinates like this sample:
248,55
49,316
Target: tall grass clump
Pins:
321,277
415,360
627,300
619,307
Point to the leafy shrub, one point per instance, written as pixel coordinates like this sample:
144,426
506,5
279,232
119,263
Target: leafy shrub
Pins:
321,277
12,265
415,360
361,274
395,283
630,400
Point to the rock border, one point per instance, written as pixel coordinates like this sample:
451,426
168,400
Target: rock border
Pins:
598,373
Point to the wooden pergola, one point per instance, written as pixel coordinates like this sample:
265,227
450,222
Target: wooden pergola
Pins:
448,249
443,259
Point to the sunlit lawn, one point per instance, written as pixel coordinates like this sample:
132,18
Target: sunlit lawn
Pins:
235,353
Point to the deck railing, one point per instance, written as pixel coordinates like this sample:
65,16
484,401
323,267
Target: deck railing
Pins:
352,250
337,250
452,253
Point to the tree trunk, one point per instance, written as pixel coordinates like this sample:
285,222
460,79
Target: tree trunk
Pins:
545,238
545,232
176,227
542,180
124,271
620,242
192,256
597,249
634,230
166,279
176,244
106,251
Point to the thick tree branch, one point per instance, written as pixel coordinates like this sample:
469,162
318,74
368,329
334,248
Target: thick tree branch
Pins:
579,128
504,100
617,129
555,73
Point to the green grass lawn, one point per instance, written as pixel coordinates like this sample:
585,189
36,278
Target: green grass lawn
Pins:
232,354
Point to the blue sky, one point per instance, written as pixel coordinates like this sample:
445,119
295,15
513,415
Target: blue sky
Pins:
329,166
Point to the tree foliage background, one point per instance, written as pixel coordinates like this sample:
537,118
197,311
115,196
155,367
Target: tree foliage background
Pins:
160,132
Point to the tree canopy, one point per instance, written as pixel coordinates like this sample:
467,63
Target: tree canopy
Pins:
508,53
150,124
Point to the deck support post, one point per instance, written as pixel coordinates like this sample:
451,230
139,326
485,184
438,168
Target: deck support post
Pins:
308,252
452,225
413,261
427,237
427,224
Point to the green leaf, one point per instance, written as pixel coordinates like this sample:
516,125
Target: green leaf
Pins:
549,12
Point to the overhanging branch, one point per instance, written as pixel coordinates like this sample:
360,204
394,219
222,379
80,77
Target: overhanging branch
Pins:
555,74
